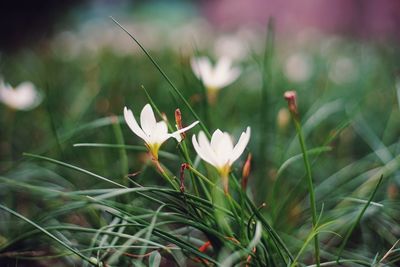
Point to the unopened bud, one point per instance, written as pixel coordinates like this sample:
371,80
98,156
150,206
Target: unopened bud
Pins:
246,172
178,120
291,98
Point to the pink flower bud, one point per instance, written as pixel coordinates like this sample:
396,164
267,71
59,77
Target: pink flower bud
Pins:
291,98
178,120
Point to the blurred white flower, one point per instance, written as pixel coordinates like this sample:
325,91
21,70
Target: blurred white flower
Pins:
23,97
231,46
214,78
343,70
298,67
220,152
152,132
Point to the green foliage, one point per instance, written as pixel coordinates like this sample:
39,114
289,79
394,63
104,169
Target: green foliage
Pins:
85,192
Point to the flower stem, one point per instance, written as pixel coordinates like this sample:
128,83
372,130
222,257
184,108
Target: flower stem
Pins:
164,174
203,179
185,154
310,185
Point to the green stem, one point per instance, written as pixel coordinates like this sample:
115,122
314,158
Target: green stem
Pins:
310,185
203,179
187,158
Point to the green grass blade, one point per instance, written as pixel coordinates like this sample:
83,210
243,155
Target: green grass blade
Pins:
352,227
74,168
76,252
163,154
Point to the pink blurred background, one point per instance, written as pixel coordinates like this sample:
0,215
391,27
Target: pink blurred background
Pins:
362,18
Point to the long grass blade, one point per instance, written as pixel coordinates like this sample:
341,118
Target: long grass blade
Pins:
74,168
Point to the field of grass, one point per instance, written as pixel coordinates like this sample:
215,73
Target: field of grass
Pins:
79,188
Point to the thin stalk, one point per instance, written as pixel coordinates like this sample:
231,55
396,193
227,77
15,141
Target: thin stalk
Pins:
242,209
310,185
164,174
204,179
187,158
266,85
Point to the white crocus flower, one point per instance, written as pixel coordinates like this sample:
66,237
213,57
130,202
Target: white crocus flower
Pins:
220,152
23,97
214,77
152,132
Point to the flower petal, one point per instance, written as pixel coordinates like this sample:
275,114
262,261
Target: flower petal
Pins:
216,138
229,77
147,119
23,97
224,149
159,134
203,154
222,68
177,134
240,146
208,149
203,70
133,125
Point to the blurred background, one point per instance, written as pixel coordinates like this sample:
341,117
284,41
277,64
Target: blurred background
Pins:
72,48
26,23
342,57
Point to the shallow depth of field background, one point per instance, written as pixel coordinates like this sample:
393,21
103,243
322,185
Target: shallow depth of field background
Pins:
342,58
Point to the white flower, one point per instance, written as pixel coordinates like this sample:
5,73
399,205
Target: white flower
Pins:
220,152
23,97
152,132
217,77
231,46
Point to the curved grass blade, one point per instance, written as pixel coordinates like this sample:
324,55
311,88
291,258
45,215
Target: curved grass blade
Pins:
164,154
290,160
352,227
74,168
150,231
76,252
